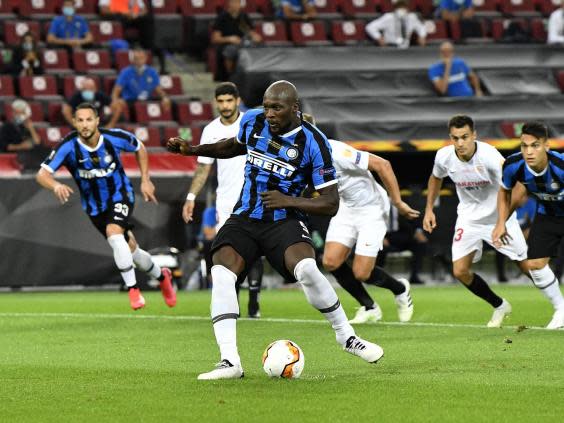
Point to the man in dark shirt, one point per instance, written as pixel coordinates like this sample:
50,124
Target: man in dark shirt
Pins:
101,101
232,30
18,134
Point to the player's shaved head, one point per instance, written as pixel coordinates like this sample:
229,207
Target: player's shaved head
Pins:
280,103
282,90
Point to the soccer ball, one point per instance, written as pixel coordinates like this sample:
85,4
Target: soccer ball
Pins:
283,359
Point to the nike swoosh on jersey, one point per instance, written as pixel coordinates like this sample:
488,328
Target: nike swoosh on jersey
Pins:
257,136
83,160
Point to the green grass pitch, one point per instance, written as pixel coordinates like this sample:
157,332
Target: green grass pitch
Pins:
85,357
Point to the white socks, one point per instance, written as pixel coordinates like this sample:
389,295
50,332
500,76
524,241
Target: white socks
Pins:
224,312
123,258
322,296
546,281
144,262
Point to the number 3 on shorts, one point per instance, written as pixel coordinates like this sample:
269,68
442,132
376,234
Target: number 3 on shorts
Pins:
458,234
121,208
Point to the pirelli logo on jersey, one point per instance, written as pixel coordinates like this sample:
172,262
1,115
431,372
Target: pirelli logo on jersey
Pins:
97,173
549,197
270,164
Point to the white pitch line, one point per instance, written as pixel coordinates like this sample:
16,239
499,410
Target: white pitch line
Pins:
262,319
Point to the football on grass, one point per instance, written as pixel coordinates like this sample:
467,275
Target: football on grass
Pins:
283,359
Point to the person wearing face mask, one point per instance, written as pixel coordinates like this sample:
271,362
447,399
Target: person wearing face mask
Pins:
88,93
25,58
18,134
396,28
139,82
69,30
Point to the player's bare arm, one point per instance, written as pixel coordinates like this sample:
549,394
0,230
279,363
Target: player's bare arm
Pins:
147,187
499,235
326,204
224,149
386,173
46,180
198,182
433,189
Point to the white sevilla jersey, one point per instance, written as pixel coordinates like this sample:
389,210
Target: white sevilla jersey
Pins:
357,186
230,172
477,180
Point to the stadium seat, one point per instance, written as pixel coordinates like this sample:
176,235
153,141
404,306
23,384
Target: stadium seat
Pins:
519,8
123,58
164,7
548,6
436,31
37,114
538,30
148,135
38,9
510,129
6,10
38,87
273,33
108,83
486,8
55,114
348,32
194,112
424,7
385,6
6,87
86,8
359,8
71,83
250,7
198,7
92,61
51,136
327,9
265,7
499,26
152,112
308,33
189,133
104,31
13,31
172,85
560,79
56,61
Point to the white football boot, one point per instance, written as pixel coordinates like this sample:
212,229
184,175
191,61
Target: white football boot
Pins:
367,316
404,302
366,350
557,321
223,370
499,314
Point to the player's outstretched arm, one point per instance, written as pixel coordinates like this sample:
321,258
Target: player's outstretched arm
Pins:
326,203
499,234
386,173
198,181
433,189
46,180
223,149
147,187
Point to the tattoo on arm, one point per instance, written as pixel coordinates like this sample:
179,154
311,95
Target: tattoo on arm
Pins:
200,178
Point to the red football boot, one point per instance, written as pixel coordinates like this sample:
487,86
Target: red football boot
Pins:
169,294
136,299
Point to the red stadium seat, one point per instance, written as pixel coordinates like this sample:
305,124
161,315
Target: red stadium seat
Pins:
198,7
54,113
6,87
104,31
359,8
327,9
108,83
425,7
152,112
436,30
123,58
52,136
194,111
308,33
85,8
39,87
511,129
71,83
486,8
248,6
38,8
37,114
164,7
88,61
273,33
265,7
148,135
519,7
538,30
172,85
190,133
348,32
385,6
548,6
560,79
6,9
499,26
56,61
13,31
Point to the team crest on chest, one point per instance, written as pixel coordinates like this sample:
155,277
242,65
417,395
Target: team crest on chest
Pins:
292,153
555,186
108,158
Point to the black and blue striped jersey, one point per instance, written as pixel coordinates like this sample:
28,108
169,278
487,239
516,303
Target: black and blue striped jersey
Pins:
547,186
285,163
98,171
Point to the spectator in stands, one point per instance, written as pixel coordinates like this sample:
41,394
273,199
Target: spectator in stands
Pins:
455,10
25,59
556,26
297,9
19,134
452,77
139,82
232,30
89,93
69,30
396,28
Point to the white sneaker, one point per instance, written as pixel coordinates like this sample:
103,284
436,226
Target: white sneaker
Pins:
557,321
367,316
404,303
223,370
499,314
366,350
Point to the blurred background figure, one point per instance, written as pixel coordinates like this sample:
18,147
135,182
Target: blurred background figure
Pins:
26,58
19,134
69,30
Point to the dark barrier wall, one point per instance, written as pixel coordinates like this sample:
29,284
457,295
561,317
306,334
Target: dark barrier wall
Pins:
45,243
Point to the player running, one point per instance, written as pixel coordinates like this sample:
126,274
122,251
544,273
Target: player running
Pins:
92,156
541,171
230,177
475,169
283,155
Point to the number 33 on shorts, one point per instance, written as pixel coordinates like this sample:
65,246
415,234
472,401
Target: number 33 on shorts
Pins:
122,209
458,234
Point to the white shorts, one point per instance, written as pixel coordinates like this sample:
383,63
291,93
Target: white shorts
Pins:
364,226
469,237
